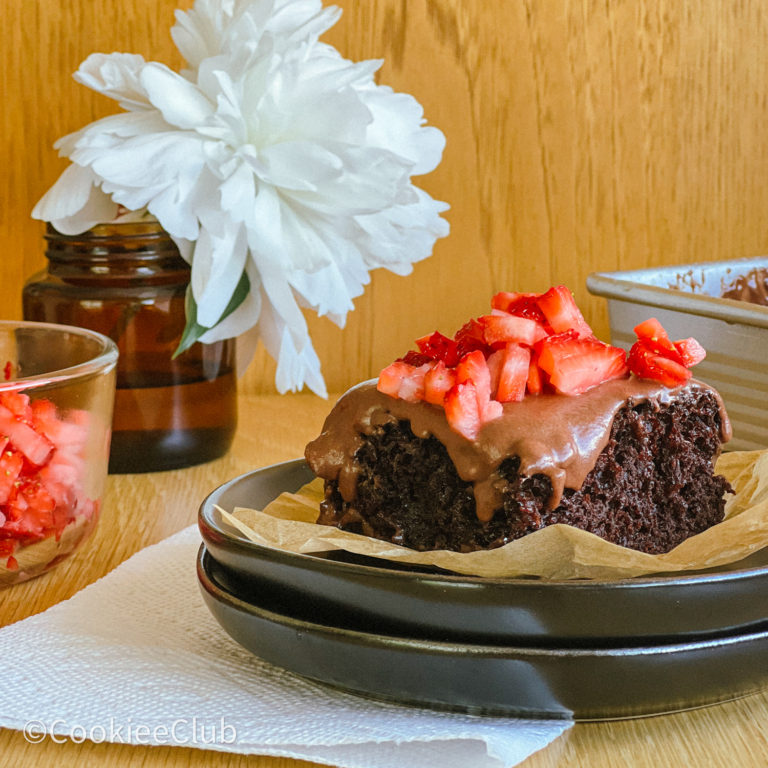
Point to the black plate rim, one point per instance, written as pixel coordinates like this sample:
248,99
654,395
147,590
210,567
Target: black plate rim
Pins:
206,519
208,582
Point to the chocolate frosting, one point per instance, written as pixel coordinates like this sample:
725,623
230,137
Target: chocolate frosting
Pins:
556,435
752,287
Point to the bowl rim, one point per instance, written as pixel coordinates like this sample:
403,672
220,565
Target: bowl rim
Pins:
104,360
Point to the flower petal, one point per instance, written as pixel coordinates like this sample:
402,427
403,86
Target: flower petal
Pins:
181,103
217,265
75,203
115,75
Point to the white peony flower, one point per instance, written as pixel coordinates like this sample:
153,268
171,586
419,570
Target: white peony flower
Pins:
281,169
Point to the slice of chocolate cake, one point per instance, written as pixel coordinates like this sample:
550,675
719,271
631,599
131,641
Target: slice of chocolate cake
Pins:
630,460
511,426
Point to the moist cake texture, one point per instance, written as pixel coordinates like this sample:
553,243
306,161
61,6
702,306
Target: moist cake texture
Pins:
631,460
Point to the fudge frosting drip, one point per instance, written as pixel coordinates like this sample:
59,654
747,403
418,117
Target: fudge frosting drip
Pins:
555,435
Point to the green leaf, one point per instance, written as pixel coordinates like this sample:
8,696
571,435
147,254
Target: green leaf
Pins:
193,330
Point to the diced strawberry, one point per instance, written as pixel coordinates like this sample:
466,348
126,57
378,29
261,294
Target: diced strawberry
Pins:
561,312
535,383
415,359
575,365
36,447
439,347
504,328
437,382
473,368
645,361
403,381
469,337
513,373
691,352
11,463
493,409
650,329
519,304
16,402
461,410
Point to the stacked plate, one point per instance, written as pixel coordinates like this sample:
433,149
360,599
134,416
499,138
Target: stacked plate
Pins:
524,647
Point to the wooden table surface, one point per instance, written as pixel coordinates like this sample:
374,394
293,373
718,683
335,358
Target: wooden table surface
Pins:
143,509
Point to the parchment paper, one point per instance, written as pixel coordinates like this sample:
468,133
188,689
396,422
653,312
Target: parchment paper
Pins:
555,552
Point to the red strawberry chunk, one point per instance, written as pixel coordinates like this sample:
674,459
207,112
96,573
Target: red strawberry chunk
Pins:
519,304
16,402
439,347
504,328
473,368
462,411
415,359
513,373
36,447
437,382
403,381
535,383
561,312
646,362
690,351
650,329
469,337
11,463
575,365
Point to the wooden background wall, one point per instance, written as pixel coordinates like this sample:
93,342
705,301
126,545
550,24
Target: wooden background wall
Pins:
581,136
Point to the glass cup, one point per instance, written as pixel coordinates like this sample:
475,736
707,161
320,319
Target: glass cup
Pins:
57,390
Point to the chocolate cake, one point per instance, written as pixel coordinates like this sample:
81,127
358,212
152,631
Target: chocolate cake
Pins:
630,460
521,420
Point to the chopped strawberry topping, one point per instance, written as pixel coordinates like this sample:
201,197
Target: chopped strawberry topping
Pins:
503,328
437,382
529,344
559,307
691,352
576,364
654,356
461,410
439,347
514,365
403,381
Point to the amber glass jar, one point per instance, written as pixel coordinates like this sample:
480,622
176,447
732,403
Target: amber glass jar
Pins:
128,281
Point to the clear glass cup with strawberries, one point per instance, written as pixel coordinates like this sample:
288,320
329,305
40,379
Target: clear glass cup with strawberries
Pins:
57,387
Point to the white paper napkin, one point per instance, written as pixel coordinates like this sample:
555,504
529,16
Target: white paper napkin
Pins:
137,658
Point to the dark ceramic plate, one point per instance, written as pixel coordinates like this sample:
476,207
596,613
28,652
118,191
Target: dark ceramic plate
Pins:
585,683
441,606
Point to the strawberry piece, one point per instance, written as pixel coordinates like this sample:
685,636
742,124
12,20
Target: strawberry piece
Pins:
462,411
473,368
17,403
646,361
415,359
403,381
36,447
437,382
690,351
11,463
469,337
505,328
439,347
513,373
576,364
520,304
535,383
562,314
650,329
